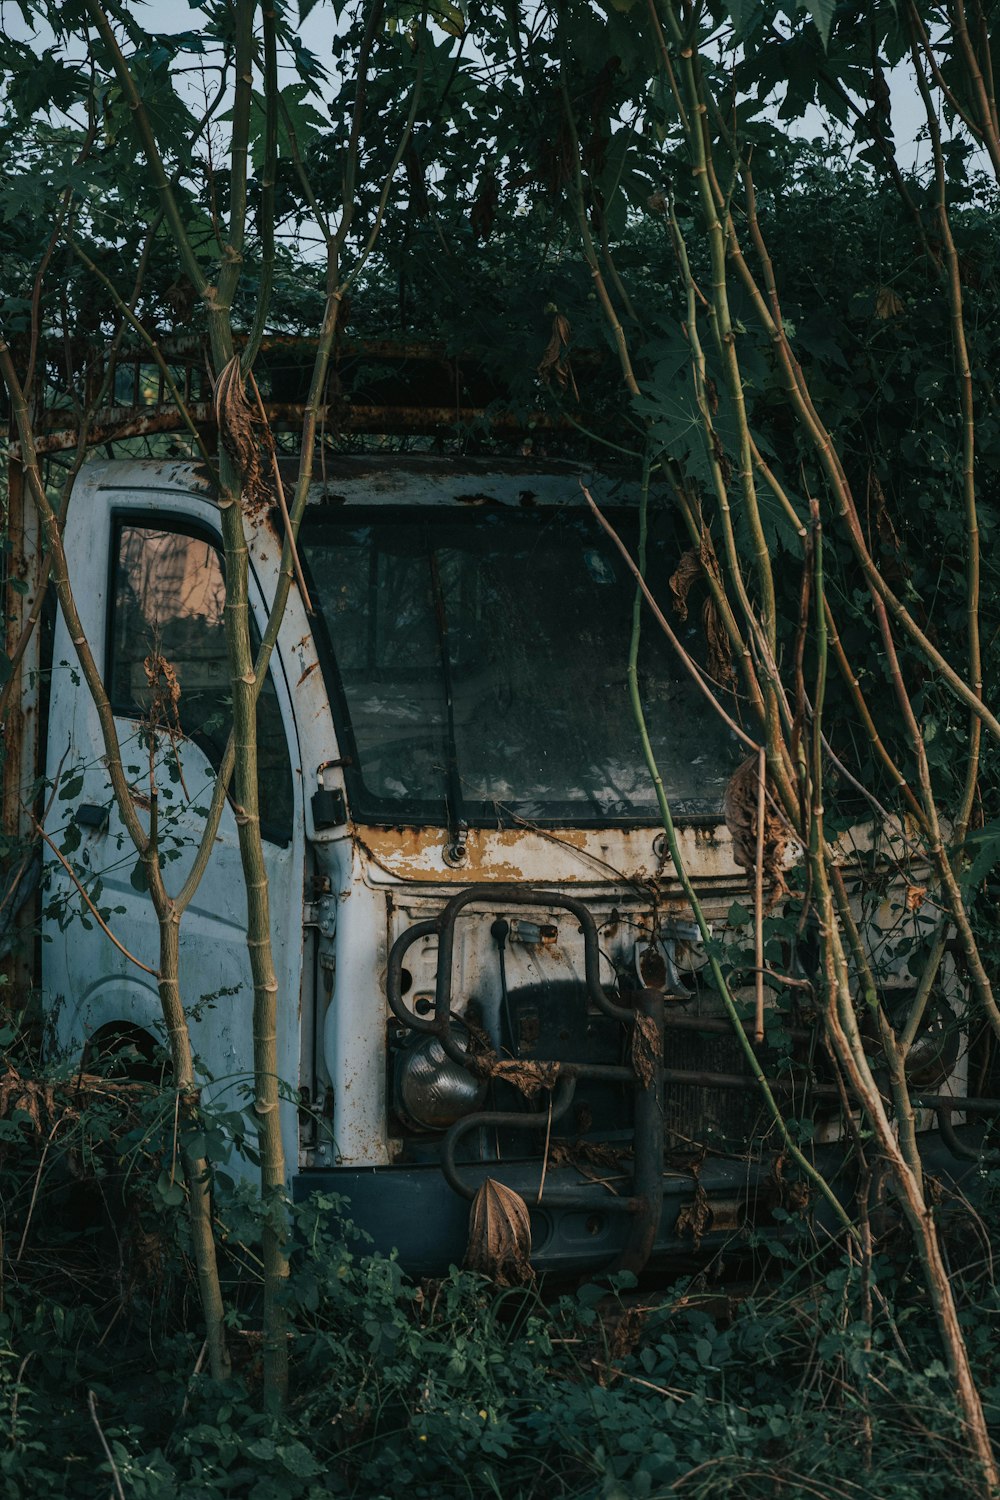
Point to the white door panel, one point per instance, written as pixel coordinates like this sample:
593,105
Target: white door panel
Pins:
88,982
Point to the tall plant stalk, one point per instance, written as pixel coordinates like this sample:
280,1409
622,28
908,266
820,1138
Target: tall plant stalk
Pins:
849,985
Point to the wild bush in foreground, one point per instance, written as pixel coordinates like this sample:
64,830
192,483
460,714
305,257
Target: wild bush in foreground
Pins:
820,1378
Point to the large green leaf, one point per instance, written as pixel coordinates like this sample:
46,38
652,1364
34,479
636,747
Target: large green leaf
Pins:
822,13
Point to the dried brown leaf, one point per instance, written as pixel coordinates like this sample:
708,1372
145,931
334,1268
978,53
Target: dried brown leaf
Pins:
529,1078
740,809
165,690
242,434
32,1098
683,578
500,1235
587,1153
647,1048
720,657
887,303
555,363
695,1217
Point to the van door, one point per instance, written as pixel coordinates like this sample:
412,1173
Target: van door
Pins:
154,585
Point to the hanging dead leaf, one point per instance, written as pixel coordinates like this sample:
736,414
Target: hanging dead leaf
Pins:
242,434
500,1235
887,303
695,1218
647,1048
180,298
740,811
529,1078
587,1153
720,651
555,363
165,691
683,578
915,897
29,1096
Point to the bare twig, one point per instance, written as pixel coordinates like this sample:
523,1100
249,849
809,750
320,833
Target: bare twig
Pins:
758,911
688,661
92,1405
92,908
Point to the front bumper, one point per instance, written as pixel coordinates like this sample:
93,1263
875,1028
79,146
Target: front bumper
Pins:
413,1211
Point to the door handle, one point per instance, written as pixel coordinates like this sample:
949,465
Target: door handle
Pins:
91,815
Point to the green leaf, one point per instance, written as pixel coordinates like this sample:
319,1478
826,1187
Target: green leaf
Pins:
743,13
822,13
983,848
171,1193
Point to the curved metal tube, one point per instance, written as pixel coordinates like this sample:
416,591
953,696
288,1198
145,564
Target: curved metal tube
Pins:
561,1101
394,976
516,895
958,1148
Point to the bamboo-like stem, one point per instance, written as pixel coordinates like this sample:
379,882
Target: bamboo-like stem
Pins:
758,898
197,1172
853,686
148,142
842,1028
83,432
272,96
219,305
778,491
196,1169
152,344
699,534
902,1154
590,250
61,582
686,659
967,400
773,702
279,489
774,1109
908,1034
663,52
952,100
987,115
243,681
883,598
322,223
699,152
986,55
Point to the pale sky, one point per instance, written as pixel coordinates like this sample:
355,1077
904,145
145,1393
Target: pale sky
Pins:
320,26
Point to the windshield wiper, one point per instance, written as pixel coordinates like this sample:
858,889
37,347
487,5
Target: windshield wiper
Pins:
458,827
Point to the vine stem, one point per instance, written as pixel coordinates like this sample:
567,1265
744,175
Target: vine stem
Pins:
794,1150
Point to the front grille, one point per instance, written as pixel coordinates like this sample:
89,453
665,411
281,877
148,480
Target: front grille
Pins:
710,1116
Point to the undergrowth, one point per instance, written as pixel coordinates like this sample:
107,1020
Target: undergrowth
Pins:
815,1375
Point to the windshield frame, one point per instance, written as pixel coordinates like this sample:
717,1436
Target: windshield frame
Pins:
409,813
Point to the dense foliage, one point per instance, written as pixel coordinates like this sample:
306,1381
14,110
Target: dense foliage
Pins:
791,344
778,1369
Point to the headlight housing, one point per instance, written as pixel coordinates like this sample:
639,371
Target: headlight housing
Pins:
431,1090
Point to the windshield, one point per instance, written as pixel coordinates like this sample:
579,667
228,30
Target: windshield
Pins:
480,657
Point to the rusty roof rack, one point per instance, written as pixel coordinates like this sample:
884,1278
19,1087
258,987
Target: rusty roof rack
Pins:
376,386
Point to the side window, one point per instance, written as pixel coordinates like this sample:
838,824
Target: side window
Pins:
168,594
